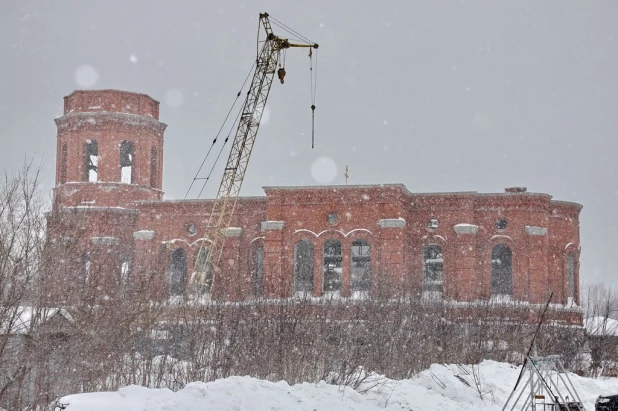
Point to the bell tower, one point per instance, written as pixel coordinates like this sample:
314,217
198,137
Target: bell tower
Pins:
109,149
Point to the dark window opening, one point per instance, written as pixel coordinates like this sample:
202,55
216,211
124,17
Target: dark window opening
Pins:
153,167
178,272
433,272
571,276
501,224
64,154
501,270
257,271
361,266
303,267
332,267
85,267
127,158
91,161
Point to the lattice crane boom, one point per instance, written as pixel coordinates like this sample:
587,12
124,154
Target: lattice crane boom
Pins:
206,265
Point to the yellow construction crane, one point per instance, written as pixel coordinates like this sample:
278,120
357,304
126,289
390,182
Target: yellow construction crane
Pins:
207,262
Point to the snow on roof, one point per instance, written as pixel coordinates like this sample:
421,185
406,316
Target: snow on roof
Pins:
20,320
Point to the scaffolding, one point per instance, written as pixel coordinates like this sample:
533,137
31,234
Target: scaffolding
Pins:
547,387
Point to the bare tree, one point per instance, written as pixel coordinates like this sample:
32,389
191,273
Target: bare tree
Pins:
600,305
22,236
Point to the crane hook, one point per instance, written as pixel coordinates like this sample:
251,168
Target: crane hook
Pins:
281,74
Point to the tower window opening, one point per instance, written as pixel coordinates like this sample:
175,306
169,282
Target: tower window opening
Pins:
91,161
64,154
153,167
127,158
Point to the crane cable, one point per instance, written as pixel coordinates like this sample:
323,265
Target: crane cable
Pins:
289,30
313,74
220,151
314,84
217,136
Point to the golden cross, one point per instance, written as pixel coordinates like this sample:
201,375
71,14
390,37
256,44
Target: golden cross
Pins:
346,175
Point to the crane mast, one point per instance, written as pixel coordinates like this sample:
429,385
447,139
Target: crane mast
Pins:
206,265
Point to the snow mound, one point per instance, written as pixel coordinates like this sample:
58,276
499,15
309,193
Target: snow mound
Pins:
233,393
441,387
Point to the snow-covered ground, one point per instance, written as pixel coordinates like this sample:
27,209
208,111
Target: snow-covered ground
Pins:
441,387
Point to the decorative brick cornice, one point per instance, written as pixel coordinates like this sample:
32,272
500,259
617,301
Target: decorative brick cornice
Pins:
392,222
104,240
97,121
466,229
232,232
530,230
272,225
144,235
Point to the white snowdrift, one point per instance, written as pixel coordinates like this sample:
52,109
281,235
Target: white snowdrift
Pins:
442,387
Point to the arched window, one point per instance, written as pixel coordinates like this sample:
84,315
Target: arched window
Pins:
91,161
501,270
361,266
127,158
571,277
154,156
178,272
433,272
332,266
64,155
303,267
203,270
257,270
124,270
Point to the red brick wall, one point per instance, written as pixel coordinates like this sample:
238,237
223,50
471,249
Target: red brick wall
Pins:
539,261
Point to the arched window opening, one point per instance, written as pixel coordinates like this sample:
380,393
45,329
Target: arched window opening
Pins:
91,161
178,272
257,270
154,155
303,267
127,158
501,270
571,278
433,272
202,274
361,267
85,267
332,267
64,157
125,270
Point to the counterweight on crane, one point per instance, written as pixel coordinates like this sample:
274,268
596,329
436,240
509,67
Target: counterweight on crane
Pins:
207,262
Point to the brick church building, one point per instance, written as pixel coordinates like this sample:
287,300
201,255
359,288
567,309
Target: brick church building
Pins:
320,241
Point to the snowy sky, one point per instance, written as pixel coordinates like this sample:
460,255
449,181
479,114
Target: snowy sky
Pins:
437,95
